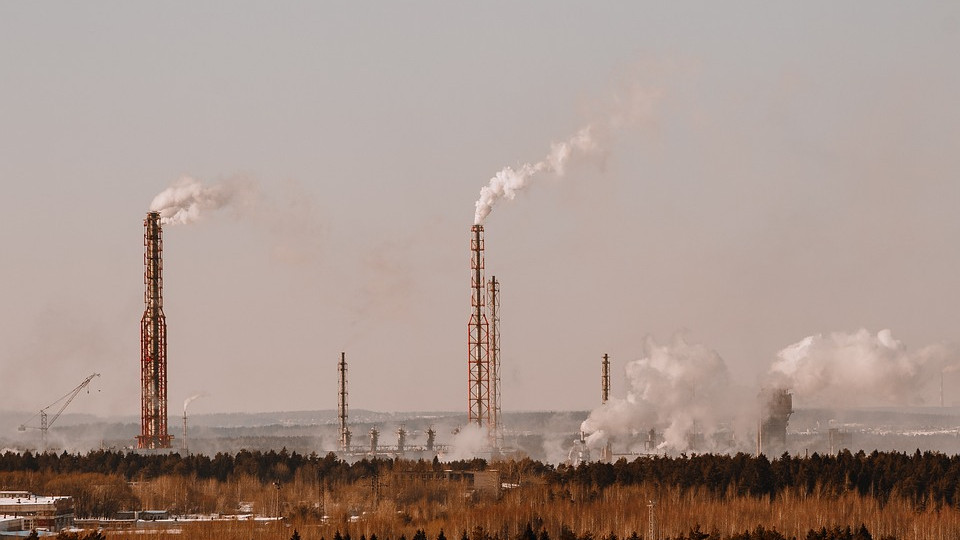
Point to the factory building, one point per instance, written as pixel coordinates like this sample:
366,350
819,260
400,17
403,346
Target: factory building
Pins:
776,406
27,511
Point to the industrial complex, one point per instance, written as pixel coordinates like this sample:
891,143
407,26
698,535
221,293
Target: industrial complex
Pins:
763,431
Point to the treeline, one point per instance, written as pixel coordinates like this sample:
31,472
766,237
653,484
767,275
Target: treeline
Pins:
268,467
695,533
924,478
927,477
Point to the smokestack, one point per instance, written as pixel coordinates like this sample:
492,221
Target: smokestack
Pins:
478,360
606,454
605,379
153,343
777,406
374,439
342,405
493,298
401,438
431,438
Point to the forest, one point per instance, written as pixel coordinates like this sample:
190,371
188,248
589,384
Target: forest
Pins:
846,495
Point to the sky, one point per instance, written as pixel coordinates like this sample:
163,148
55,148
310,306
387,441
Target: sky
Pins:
794,171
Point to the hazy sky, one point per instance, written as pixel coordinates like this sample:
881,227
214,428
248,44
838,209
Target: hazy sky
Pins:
797,174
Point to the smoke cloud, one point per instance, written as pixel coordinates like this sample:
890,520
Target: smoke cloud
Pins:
187,199
468,443
858,369
628,108
678,388
191,399
509,181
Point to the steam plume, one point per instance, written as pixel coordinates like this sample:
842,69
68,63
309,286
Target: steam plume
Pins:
509,181
191,399
187,199
468,443
632,106
858,369
678,388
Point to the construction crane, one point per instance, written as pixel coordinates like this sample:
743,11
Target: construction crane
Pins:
44,422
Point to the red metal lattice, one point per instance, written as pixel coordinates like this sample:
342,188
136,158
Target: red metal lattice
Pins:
153,343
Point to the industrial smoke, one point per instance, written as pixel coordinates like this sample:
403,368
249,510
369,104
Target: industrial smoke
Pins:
191,399
858,369
506,183
678,388
625,109
188,200
681,389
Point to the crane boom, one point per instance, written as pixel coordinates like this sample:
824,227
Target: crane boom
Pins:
67,399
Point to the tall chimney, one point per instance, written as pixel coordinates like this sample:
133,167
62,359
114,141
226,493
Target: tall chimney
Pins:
478,360
605,379
342,405
493,304
153,343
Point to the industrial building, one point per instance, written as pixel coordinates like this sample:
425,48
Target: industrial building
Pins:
776,406
27,511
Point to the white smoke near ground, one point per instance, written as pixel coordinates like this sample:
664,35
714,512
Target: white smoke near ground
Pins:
468,443
634,105
858,369
680,389
677,389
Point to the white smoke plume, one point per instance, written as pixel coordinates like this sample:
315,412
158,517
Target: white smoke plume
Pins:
191,399
188,200
678,388
858,369
682,388
634,105
509,181
468,443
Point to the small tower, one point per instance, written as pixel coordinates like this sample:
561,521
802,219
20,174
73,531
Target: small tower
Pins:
342,405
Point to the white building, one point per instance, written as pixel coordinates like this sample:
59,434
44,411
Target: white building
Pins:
36,512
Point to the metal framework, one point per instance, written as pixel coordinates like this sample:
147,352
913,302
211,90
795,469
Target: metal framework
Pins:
45,424
153,343
478,359
605,379
493,303
342,405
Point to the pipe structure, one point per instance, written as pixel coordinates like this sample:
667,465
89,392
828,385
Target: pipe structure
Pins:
153,343
478,359
493,303
342,405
